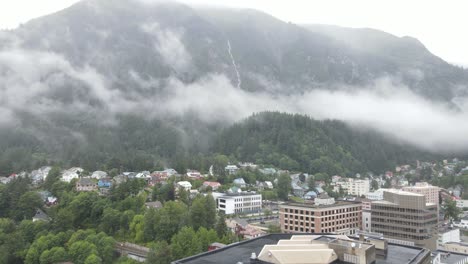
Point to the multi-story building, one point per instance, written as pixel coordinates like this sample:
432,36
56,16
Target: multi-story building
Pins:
342,217
366,215
424,188
405,216
448,235
244,202
353,186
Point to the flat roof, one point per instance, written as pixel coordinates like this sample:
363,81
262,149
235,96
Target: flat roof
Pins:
451,257
403,192
311,205
241,251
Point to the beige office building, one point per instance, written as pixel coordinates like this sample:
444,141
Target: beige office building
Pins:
424,188
405,216
341,218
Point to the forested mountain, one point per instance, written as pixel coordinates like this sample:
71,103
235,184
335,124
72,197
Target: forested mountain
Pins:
130,84
298,143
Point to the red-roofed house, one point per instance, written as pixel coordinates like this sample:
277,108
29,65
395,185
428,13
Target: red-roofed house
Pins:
214,185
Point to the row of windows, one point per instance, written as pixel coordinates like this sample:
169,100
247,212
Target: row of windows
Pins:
322,230
248,198
329,212
247,204
404,235
388,221
404,216
399,209
339,221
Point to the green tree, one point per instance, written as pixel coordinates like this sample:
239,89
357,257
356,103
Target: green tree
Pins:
52,177
284,186
28,205
198,217
221,227
160,253
452,212
137,228
81,250
54,255
311,182
93,259
210,211
184,196
170,219
185,243
374,185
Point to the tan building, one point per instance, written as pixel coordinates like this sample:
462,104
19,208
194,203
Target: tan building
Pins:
456,247
424,188
405,216
86,185
342,218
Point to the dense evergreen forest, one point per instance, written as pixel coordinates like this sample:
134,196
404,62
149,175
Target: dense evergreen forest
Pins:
288,141
299,143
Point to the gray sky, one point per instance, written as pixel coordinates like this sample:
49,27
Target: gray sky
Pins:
440,25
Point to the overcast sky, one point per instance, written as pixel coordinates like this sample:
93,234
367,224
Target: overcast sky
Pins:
440,25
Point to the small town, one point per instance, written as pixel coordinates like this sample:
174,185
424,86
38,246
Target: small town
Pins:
233,132
255,201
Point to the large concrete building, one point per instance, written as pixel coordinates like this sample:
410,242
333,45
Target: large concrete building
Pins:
342,217
313,249
406,216
244,202
424,188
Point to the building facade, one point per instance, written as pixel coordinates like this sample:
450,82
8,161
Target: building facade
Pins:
86,185
366,215
424,188
244,202
341,218
354,187
405,216
448,235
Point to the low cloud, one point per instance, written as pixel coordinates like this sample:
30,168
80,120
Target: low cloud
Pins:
168,43
31,81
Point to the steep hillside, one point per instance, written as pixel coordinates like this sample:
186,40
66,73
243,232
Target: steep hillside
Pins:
296,142
104,81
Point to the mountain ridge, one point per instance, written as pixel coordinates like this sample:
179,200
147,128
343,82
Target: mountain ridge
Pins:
181,74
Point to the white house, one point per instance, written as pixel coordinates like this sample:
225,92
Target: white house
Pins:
39,175
143,175
184,184
193,174
70,174
231,169
99,175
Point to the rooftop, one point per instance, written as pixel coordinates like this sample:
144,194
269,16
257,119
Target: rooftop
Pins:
403,192
451,257
241,251
310,205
